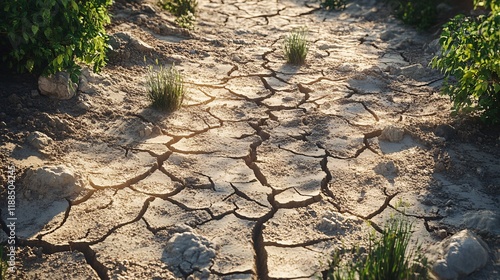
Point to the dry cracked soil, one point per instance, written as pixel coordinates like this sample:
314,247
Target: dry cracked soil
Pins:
266,169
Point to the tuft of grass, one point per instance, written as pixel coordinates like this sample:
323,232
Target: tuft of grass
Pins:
165,87
385,258
295,46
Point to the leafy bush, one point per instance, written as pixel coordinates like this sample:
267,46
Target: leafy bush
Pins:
419,13
180,7
471,54
184,10
333,4
165,88
385,258
295,47
49,36
186,21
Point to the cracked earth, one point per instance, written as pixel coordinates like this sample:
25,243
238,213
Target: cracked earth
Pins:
267,168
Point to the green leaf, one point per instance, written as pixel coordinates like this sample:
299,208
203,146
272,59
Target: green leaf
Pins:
29,65
34,29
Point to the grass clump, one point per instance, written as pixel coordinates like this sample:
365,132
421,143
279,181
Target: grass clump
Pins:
386,258
184,10
333,5
295,47
165,88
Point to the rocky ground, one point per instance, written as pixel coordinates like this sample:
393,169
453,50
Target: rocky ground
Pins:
266,170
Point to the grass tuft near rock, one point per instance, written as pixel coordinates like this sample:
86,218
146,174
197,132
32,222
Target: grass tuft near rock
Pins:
165,87
387,257
295,46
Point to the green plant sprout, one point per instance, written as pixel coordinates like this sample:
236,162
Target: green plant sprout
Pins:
165,88
295,46
387,257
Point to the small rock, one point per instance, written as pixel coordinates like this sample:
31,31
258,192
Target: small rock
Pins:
392,133
34,93
187,252
57,86
50,182
39,140
459,255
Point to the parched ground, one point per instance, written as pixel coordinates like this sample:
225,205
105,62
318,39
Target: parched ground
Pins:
266,169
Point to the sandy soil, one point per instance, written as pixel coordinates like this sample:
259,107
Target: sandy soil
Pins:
266,169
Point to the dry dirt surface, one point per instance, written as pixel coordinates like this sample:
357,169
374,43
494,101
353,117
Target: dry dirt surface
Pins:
265,170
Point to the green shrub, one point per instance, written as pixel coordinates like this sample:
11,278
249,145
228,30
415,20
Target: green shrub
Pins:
165,88
180,7
186,21
419,13
333,4
184,10
471,54
295,47
48,36
387,257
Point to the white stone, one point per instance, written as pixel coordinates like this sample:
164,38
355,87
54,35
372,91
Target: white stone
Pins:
187,252
459,255
57,86
50,182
